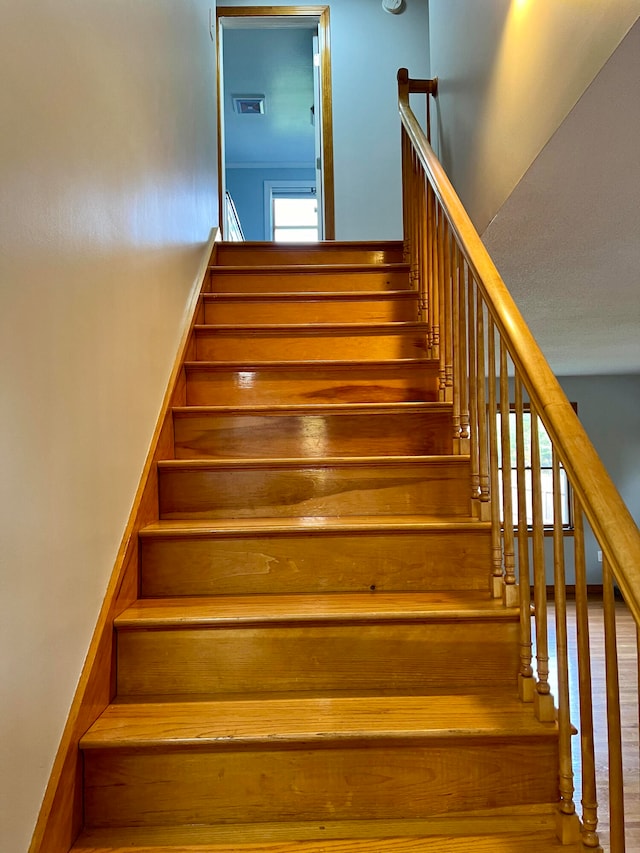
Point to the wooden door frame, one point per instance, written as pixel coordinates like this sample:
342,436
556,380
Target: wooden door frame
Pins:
322,13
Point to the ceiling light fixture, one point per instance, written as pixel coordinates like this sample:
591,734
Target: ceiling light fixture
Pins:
395,7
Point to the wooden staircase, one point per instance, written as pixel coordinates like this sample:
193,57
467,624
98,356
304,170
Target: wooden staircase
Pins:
314,662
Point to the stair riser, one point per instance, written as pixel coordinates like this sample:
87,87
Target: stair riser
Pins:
260,281
219,345
345,562
177,661
219,436
438,489
375,782
273,253
233,311
352,384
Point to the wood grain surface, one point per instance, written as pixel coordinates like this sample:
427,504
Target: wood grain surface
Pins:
328,252
289,278
338,341
342,555
358,307
386,780
436,485
338,430
276,383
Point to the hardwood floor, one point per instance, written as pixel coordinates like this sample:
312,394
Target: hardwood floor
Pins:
627,662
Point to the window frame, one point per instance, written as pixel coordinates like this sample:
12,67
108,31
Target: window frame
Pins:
567,508
287,189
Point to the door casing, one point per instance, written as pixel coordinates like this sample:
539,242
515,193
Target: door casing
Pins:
322,15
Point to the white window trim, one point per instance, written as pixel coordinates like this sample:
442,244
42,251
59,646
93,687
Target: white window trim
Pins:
269,187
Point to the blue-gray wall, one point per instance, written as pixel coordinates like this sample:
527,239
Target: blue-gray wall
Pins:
246,187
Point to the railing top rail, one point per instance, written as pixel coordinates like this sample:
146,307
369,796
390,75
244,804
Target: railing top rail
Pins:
607,513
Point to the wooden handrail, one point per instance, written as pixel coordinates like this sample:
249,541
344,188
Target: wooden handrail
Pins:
607,513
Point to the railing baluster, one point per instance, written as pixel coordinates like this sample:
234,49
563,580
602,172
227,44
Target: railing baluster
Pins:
614,727
457,348
569,826
588,761
496,580
481,383
422,233
473,397
463,376
543,700
423,304
439,308
447,318
406,195
510,590
434,287
415,224
525,677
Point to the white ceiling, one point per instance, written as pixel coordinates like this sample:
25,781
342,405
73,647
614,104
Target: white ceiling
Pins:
567,241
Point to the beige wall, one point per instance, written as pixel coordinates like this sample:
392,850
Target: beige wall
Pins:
108,192
509,72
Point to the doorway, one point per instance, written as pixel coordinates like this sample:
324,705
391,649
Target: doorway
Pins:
274,118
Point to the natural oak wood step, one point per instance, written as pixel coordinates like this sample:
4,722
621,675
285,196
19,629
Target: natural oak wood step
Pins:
330,555
290,278
358,307
321,341
274,382
358,641
325,252
295,609
320,720
356,429
432,485
121,841
314,759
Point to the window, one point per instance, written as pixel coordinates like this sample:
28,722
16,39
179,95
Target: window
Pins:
291,211
295,219
546,474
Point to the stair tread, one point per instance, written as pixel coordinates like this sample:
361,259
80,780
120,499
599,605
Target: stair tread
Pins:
328,525
321,245
324,839
406,523
247,269
308,295
321,719
401,407
310,364
313,462
313,329
314,607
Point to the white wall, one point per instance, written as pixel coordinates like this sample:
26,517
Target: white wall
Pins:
367,47
509,72
108,192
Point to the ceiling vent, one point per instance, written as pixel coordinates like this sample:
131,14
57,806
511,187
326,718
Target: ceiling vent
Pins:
248,104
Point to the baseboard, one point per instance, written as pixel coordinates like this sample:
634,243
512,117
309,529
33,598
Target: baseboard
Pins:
593,591
60,818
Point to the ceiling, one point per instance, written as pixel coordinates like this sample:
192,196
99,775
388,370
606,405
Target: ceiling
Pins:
567,241
276,62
